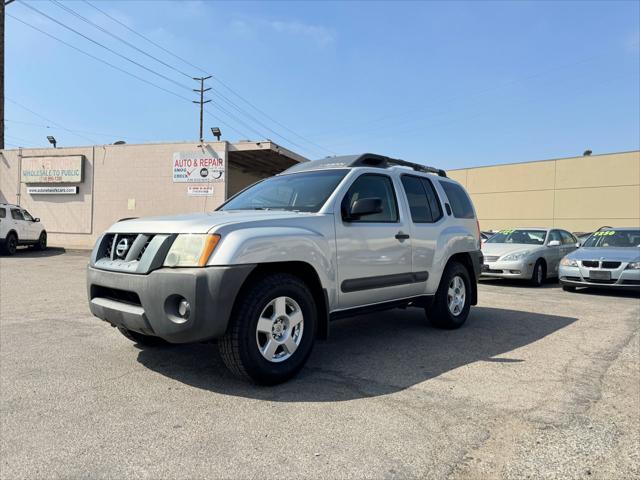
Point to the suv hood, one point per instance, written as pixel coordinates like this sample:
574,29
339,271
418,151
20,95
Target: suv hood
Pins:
196,223
501,249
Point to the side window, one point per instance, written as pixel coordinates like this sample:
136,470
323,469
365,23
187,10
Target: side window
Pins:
567,238
458,199
371,185
27,216
3,212
16,214
417,198
554,235
434,202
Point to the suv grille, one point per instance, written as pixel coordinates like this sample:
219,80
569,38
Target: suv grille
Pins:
117,245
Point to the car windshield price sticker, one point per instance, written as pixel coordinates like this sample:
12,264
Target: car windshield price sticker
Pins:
198,167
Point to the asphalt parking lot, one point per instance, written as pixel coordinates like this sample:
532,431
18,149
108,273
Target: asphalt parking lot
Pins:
539,383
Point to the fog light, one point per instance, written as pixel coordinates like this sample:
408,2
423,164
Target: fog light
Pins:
515,272
184,309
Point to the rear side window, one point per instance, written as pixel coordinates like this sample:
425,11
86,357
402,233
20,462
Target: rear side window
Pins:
16,214
567,238
3,212
423,203
458,199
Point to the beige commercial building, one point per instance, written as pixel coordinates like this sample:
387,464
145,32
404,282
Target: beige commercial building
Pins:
78,192
579,194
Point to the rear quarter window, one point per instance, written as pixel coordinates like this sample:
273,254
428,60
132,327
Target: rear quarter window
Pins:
458,200
3,212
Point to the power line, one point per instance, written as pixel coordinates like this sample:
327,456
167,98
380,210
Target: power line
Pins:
144,37
262,112
121,70
62,24
113,135
104,30
46,119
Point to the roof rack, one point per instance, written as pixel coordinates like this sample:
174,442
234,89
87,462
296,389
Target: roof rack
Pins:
380,161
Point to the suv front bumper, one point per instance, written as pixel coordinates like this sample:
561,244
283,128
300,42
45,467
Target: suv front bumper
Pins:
148,304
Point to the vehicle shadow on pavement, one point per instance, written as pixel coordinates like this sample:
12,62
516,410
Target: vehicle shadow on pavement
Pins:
507,282
607,292
28,252
367,356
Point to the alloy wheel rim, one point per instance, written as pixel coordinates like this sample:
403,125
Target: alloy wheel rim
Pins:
279,329
539,274
456,295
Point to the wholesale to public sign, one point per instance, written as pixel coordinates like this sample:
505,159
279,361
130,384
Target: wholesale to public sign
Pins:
198,167
67,169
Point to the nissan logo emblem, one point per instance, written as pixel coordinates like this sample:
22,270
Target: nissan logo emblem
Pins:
122,247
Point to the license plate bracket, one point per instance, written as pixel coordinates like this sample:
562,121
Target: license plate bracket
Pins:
599,275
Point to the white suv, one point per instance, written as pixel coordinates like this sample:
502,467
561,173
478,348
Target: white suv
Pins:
18,227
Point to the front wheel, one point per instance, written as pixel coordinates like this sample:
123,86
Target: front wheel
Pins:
42,242
539,274
271,331
450,307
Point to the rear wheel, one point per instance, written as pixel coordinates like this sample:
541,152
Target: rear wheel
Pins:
271,331
539,274
450,307
141,339
11,244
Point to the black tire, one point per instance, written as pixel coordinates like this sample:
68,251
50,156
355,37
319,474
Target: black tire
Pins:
10,244
239,346
539,274
568,288
438,312
141,339
42,242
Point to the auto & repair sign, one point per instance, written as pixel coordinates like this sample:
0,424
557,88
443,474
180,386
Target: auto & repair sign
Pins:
198,167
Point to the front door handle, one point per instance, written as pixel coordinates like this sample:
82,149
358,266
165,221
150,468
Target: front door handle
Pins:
402,236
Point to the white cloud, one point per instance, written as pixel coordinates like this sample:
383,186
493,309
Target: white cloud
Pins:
320,35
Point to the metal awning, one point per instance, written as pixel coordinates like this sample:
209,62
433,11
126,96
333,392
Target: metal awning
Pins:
262,158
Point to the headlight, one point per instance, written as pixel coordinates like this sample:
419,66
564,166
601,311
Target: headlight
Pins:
633,266
191,250
512,257
567,262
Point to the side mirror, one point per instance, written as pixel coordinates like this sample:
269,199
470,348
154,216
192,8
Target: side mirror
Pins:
36,220
553,243
364,206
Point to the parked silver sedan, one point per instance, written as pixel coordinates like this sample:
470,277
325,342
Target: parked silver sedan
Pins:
526,253
608,258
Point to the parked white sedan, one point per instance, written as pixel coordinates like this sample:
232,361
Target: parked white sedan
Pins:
526,253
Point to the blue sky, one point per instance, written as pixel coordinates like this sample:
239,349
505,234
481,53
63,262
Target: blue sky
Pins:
452,84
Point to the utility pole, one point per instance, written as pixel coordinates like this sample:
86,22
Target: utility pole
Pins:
202,101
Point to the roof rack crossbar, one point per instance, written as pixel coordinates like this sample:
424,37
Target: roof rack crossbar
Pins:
372,160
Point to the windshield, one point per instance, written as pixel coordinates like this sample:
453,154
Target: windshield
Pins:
298,192
527,237
614,239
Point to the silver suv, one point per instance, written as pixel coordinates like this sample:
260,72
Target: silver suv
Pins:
267,271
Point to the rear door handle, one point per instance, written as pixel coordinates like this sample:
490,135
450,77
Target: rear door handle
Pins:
402,236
